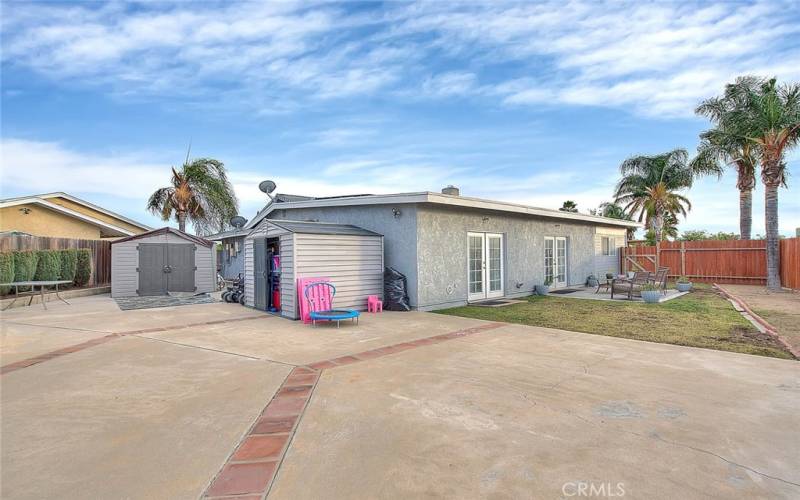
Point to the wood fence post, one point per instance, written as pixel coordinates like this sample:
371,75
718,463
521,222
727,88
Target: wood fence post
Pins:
683,258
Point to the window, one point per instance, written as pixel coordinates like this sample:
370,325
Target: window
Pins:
609,246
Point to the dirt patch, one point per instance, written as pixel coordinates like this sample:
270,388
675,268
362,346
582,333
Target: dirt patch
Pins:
743,335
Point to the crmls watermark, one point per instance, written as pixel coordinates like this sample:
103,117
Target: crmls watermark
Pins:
592,489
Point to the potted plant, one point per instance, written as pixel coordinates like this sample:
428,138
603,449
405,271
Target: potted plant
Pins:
651,293
591,281
544,289
683,284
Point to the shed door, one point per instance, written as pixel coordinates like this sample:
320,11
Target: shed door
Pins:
260,273
180,267
152,261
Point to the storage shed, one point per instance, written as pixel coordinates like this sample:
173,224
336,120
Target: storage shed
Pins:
162,261
279,252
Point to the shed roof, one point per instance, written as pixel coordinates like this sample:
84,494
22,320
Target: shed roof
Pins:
165,230
310,227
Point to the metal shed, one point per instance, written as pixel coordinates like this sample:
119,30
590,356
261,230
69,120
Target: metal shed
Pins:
162,261
279,252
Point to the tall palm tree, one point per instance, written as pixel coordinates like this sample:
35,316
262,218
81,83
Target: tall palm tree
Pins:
650,184
719,146
199,192
770,119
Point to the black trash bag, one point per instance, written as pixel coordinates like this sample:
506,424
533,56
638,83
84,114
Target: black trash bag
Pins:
395,297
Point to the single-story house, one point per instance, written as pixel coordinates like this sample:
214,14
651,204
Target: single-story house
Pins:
160,262
61,215
455,249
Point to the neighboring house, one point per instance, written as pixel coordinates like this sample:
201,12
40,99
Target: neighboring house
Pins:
454,249
64,216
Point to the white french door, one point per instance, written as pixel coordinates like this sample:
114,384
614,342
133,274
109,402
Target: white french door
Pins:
485,271
555,261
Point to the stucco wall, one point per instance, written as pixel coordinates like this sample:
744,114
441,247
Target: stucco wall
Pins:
42,221
83,209
400,248
442,250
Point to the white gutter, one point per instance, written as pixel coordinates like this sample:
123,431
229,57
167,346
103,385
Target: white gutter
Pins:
442,199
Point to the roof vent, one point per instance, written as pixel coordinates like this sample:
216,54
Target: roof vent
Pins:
451,190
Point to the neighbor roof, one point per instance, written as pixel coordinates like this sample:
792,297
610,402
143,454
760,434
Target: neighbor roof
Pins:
43,200
165,230
310,227
439,199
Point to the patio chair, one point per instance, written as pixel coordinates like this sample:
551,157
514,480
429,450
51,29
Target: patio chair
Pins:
631,286
660,279
320,300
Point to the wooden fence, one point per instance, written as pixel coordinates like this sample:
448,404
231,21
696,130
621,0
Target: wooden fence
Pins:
101,251
721,261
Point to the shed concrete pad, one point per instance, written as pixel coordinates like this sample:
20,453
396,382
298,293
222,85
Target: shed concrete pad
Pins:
524,412
287,341
132,418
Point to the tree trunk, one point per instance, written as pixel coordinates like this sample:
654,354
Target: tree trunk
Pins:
745,213
182,221
773,242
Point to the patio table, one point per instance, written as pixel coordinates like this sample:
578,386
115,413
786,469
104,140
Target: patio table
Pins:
33,285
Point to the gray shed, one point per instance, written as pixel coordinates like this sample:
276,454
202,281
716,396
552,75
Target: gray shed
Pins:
279,252
162,261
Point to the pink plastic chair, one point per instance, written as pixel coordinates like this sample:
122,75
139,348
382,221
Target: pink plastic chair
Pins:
305,307
374,304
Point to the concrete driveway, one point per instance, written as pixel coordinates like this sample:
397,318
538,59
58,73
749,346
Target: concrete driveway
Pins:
220,400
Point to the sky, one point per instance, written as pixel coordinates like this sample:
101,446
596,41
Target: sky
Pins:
534,103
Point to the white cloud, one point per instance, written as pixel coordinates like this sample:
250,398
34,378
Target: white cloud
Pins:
654,59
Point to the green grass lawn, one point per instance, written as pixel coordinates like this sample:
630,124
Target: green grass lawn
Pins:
701,318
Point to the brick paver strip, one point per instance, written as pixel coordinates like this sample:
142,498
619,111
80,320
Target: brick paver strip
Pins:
24,363
252,466
764,323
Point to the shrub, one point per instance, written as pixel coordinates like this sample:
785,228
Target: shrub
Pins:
6,271
25,265
69,262
83,269
49,266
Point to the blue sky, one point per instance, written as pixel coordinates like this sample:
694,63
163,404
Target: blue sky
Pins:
532,103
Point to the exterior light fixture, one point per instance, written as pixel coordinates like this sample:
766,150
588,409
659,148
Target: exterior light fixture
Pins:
396,212
25,210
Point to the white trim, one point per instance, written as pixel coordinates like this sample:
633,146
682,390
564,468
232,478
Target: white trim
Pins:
59,208
95,207
441,199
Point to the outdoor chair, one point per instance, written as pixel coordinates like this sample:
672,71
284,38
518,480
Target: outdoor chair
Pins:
320,300
660,279
630,286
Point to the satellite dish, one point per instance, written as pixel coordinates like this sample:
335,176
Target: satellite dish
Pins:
267,186
238,221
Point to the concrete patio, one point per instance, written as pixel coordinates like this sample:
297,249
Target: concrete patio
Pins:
403,405
590,292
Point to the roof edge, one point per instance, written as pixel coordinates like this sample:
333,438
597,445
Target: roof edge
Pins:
165,230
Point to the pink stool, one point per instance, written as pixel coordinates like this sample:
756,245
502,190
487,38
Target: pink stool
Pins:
374,304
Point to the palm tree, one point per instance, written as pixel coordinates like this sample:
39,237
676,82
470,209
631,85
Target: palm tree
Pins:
769,117
569,206
199,192
719,146
650,185
614,211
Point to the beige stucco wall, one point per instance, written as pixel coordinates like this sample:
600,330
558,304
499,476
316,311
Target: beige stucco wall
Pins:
96,215
42,221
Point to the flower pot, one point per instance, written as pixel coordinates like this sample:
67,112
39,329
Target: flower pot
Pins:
683,287
631,274
592,282
542,289
651,296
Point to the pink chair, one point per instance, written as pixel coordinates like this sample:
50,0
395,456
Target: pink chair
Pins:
374,304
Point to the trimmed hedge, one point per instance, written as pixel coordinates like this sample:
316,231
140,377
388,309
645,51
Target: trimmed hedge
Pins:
6,271
49,266
69,263
25,265
83,269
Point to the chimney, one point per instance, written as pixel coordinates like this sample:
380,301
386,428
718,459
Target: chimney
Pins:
451,190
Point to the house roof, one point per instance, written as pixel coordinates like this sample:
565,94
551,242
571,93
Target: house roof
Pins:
44,200
234,233
439,199
278,198
165,230
310,227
